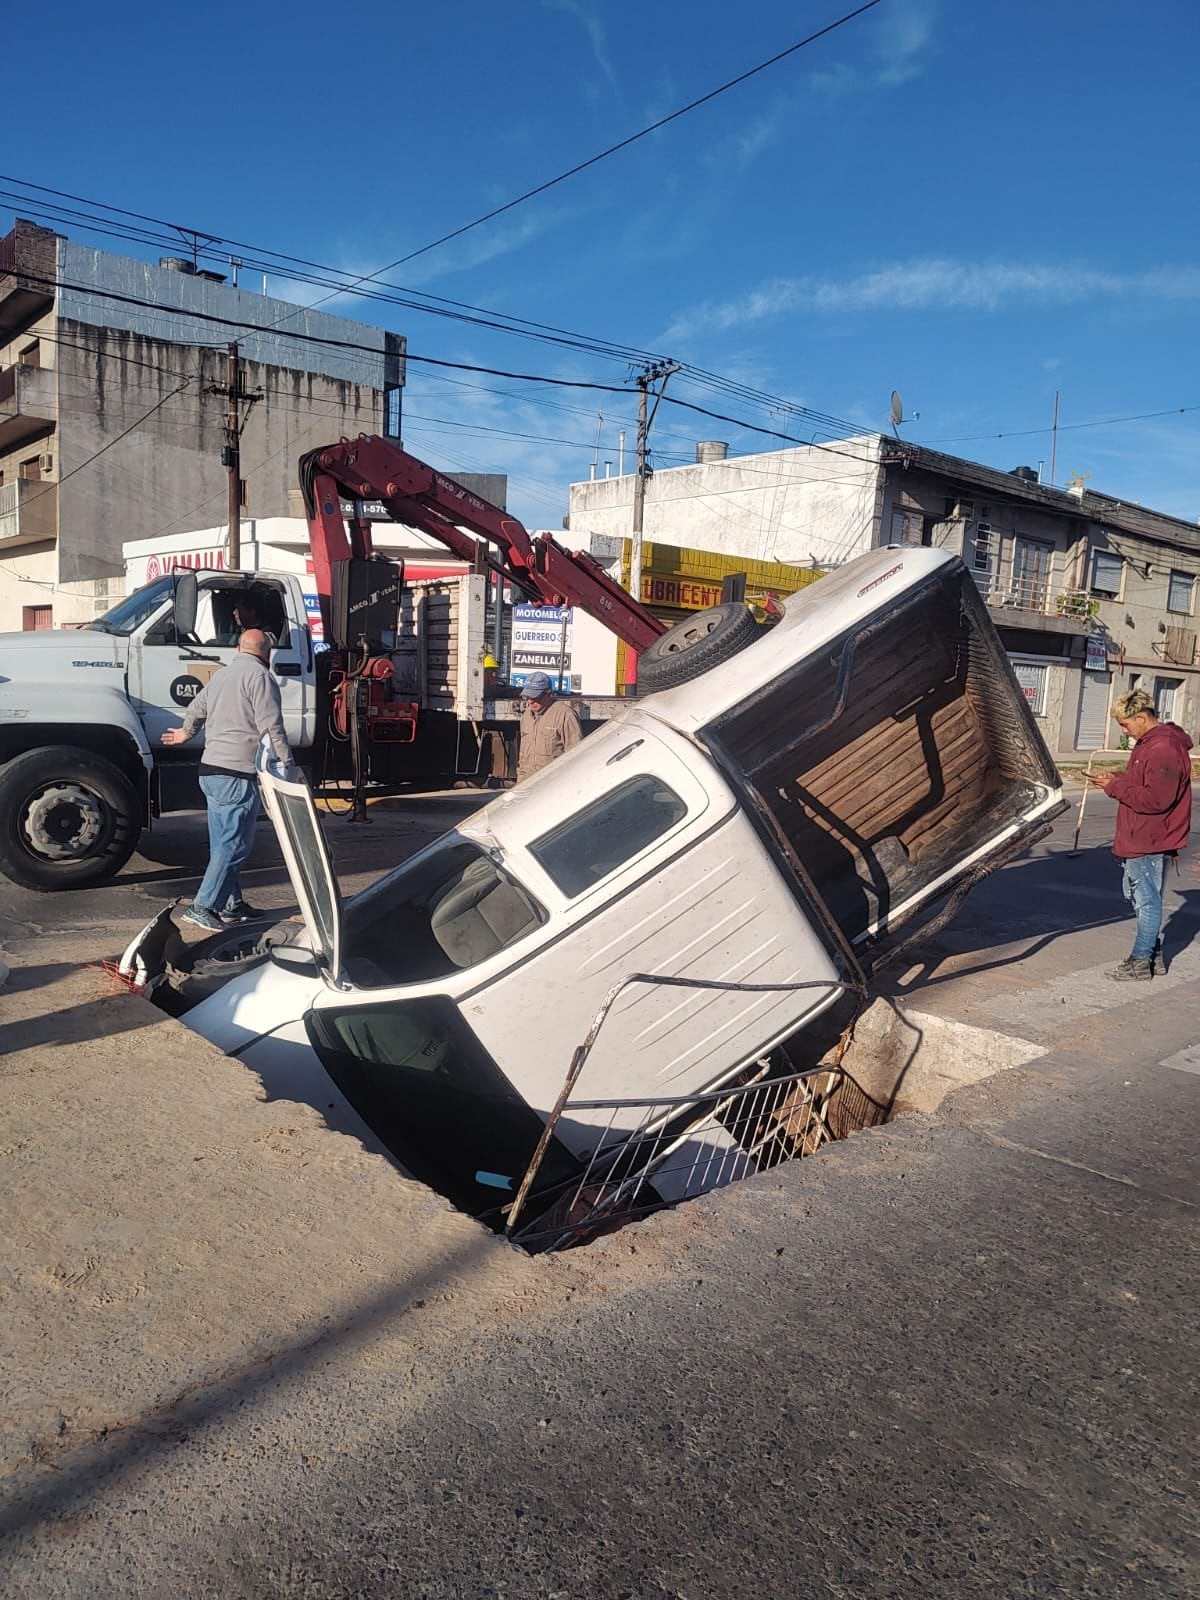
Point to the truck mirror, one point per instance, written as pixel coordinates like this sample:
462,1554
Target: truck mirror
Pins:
187,592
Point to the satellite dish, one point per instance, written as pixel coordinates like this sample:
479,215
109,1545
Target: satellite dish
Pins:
897,408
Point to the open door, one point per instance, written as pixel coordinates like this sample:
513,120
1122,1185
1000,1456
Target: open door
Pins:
289,804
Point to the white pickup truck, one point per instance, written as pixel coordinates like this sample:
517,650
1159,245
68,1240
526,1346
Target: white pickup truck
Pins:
82,712
770,829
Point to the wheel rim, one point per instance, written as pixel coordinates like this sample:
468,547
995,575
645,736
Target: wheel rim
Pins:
693,636
64,822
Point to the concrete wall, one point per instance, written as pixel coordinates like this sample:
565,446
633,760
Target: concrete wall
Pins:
783,505
131,352
166,473
111,291
31,583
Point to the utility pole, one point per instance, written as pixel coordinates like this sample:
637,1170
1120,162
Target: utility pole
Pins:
651,375
231,454
656,374
1054,440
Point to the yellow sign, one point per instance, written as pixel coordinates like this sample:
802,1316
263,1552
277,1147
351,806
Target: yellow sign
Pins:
691,580
686,593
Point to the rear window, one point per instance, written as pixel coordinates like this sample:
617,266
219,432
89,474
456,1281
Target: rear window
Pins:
596,841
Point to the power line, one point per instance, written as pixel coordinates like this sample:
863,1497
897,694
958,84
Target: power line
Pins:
462,312
437,361
623,144
96,454
1068,427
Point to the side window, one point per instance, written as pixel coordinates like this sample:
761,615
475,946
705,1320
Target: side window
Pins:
223,615
601,838
451,910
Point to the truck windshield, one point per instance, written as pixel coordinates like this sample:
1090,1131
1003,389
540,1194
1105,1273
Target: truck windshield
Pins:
446,909
131,612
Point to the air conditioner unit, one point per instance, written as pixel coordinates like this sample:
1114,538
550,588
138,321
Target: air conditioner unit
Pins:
46,463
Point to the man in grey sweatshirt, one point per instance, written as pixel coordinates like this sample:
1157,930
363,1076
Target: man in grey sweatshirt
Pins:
238,708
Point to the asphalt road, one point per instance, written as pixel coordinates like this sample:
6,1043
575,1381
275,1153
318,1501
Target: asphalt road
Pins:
174,854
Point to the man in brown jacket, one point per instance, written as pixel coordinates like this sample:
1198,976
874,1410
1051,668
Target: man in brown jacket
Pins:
549,726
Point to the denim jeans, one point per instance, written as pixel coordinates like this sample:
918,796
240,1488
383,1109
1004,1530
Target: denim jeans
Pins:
1142,884
232,813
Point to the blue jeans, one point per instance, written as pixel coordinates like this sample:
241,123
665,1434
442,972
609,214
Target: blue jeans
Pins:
232,813
1142,884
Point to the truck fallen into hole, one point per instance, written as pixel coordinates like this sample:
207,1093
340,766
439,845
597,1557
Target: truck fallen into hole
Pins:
576,1005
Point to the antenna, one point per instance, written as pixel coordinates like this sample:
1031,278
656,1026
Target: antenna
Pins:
897,413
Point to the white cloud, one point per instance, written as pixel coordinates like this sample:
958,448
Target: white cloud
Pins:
921,285
903,34
595,29
899,40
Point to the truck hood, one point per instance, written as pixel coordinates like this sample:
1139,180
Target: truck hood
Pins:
25,655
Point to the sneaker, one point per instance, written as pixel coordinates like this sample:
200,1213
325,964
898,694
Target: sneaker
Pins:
202,917
241,911
1131,971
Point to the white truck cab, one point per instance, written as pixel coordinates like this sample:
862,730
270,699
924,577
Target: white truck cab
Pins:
82,713
775,823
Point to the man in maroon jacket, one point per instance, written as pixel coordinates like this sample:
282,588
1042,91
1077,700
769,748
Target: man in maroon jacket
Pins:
1154,817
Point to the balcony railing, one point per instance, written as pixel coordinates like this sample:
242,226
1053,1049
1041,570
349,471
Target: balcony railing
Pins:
1032,599
28,513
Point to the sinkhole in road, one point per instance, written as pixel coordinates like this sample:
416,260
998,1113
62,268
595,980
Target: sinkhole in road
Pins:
547,1179
666,1155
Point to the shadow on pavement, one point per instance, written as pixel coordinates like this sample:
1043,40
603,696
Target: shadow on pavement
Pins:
83,1473
1181,926
1039,900
101,1017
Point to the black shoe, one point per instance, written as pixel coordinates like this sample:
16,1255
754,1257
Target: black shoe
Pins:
241,911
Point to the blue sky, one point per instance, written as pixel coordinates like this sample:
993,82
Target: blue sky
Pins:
975,202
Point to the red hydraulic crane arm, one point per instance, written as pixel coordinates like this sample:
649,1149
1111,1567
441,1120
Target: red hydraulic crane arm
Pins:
371,468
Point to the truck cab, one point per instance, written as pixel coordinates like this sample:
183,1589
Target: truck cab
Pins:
83,711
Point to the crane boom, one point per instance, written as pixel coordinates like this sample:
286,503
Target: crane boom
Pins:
372,468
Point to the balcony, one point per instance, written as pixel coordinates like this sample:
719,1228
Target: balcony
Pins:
28,405
1037,604
27,267
28,513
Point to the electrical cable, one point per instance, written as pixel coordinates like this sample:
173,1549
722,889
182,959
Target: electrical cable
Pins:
623,144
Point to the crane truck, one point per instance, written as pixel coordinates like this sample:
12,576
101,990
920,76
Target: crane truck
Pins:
384,684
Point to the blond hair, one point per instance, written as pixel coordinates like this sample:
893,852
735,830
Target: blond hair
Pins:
1134,704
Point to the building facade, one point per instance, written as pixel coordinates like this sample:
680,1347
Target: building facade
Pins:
112,416
1091,595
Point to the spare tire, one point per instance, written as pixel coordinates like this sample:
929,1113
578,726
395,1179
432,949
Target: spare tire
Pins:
696,644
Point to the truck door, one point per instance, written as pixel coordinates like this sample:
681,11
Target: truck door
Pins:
179,651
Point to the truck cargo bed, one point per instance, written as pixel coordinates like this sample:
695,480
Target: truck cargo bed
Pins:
912,756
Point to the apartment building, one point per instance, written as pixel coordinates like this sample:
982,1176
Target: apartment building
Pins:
1092,595
112,419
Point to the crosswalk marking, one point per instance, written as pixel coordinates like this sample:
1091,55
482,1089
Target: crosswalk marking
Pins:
1185,1060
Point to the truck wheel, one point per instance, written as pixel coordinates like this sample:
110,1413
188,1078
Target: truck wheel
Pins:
68,819
695,644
